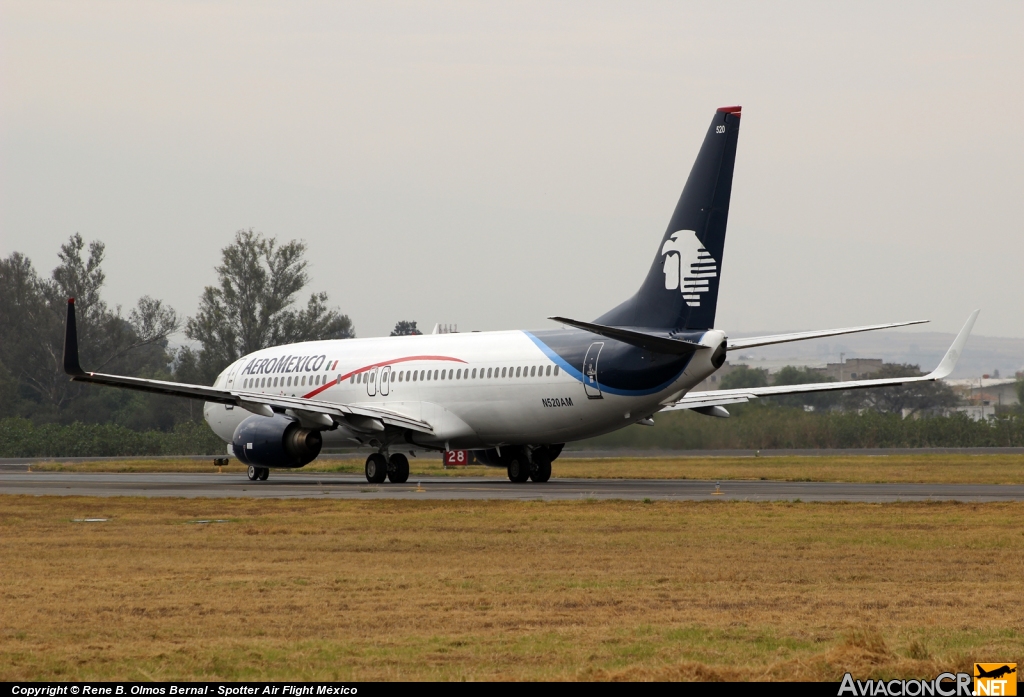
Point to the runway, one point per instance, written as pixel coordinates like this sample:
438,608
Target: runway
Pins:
345,486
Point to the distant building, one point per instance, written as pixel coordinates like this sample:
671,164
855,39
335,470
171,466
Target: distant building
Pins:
852,369
986,392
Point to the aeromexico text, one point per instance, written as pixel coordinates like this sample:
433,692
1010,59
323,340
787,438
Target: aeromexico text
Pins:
285,364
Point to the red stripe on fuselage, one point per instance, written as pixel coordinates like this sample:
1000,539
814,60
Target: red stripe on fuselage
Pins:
346,376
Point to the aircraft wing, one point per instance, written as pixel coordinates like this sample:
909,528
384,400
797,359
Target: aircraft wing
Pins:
324,413
752,341
712,398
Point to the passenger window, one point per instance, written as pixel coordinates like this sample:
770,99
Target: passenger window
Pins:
556,370
533,371
443,373
503,372
517,371
275,382
549,370
474,373
458,374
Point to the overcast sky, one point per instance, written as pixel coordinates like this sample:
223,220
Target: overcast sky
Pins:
492,164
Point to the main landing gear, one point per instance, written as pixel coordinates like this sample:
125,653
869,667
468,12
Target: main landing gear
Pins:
394,468
523,464
258,473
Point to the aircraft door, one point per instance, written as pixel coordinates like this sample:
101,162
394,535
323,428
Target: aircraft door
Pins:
371,383
385,380
591,385
230,385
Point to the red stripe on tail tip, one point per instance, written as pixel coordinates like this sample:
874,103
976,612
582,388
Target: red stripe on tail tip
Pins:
731,109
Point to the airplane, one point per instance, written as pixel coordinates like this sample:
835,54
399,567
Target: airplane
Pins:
995,673
514,397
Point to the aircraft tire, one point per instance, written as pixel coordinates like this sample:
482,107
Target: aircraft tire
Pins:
264,473
253,473
376,468
542,469
398,469
518,469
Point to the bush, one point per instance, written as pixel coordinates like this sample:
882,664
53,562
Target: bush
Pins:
758,427
21,438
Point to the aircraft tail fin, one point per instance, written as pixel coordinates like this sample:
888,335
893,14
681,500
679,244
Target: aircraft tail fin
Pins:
681,288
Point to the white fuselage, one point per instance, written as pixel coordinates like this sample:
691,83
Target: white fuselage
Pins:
477,390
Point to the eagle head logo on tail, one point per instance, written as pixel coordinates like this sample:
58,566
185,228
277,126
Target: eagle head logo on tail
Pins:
687,266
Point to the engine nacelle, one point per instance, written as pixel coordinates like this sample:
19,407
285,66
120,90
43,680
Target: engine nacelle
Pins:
276,441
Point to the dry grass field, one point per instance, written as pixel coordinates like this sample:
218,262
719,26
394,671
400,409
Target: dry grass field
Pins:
349,590
926,467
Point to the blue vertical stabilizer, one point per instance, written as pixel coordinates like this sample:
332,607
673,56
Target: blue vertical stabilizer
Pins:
681,289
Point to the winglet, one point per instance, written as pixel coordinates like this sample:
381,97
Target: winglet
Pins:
71,365
949,360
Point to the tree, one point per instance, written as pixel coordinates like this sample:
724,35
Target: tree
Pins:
405,328
790,375
32,315
745,376
902,399
251,308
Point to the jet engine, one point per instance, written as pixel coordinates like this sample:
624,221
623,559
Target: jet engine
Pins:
276,441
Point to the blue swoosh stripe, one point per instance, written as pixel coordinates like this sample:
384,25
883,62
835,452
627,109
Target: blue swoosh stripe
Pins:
577,374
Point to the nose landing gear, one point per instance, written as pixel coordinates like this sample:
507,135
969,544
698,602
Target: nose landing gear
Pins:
258,473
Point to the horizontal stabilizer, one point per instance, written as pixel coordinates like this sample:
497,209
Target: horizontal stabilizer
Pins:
695,400
651,342
752,341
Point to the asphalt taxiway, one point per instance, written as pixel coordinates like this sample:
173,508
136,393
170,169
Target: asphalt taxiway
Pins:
284,485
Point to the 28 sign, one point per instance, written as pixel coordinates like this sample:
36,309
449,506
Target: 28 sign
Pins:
456,458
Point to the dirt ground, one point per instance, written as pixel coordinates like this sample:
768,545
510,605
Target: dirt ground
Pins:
927,467
349,590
